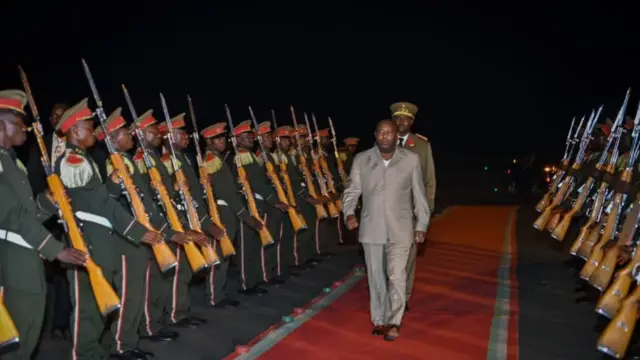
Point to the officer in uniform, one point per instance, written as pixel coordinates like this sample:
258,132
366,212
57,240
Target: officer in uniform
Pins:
111,235
303,245
23,238
157,286
348,151
181,142
404,114
230,206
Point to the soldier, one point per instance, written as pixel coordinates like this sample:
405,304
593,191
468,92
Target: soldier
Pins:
277,221
348,152
325,148
253,269
23,239
157,286
111,235
230,206
303,242
404,114
181,142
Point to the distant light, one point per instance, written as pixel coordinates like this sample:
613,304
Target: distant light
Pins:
486,168
515,161
495,189
509,171
547,169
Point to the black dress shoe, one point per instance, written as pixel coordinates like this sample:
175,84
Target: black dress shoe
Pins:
198,320
378,330
252,292
186,323
162,335
226,303
143,352
294,274
130,355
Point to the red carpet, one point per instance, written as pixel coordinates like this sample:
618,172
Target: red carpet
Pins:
453,308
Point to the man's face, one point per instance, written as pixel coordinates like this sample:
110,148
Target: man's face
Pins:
219,143
246,140
55,116
14,128
152,135
267,140
83,132
180,138
386,137
304,141
285,143
351,148
324,141
123,139
404,123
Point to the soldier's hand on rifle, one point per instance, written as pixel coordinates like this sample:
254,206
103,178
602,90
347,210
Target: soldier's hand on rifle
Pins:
282,206
420,236
352,222
198,238
152,238
180,238
115,176
216,232
313,201
73,256
254,223
181,185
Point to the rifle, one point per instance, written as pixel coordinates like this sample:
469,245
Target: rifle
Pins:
602,276
544,202
225,243
165,258
325,166
209,254
614,340
106,298
321,212
343,174
283,167
315,158
560,230
8,333
296,222
568,182
194,257
265,235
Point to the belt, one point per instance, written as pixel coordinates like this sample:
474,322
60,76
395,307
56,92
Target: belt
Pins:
221,202
12,237
258,196
93,218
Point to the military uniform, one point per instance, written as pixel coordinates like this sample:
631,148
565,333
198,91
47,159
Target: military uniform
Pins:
156,285
184,274
290,252
346,154
251,258
113,238
421,146
23,239
231,210
334,228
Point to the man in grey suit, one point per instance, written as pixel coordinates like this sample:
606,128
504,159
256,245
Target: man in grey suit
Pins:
395,214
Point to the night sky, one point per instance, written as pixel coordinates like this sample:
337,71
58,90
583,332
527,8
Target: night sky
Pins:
489,79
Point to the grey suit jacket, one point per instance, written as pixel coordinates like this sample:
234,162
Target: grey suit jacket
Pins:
388,195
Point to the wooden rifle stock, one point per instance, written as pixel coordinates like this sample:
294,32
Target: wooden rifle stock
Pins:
614,340
265,235
164,256
225,243
296,221
541,221
585,240
291,197
544,202
194,257
8,332
321,212
106,298
333,210
210,256
330,184
602,276
560,231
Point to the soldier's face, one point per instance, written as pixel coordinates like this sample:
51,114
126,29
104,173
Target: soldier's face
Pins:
123,139
267,140
152,136
285,143
404,123
181,138
246,139
14,129
304,142
351,148
83,132
324,140
386,136
219,143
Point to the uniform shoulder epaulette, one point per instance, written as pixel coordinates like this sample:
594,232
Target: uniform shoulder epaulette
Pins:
212,163
139,160
21,166
342,155
75,170
246,158
127,163
422,137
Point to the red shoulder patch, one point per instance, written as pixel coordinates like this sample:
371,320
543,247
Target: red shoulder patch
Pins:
139,155
259,153
209,157
73,159
165,157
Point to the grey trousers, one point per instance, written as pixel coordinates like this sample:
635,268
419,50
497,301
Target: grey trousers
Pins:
387,275
411,269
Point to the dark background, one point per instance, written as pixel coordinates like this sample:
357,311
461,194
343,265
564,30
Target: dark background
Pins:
490,79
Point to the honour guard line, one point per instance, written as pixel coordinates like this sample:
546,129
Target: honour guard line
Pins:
134,239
